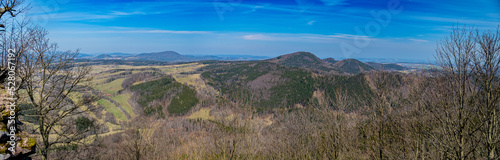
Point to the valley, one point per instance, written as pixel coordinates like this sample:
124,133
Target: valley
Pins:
130,92
199,99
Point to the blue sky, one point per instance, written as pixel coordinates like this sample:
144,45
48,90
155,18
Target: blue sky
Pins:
406,29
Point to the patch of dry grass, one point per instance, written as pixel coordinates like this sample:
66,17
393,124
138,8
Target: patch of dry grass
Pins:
203,113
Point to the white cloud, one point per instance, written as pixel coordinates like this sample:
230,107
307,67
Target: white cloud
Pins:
418,40
294,9
255,8
120,13
316,38
469,21
259,37
164,31
146,31
333,2
311,23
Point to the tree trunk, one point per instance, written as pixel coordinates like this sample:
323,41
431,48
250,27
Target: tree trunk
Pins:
491,134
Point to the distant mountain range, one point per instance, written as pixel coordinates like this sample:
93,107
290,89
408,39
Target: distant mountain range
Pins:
308,60
168,56
389,66
301,59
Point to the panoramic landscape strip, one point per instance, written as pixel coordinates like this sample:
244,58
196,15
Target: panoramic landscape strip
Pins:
236,79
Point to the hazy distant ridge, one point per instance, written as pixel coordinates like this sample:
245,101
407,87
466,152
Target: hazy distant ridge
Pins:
170,56
300,59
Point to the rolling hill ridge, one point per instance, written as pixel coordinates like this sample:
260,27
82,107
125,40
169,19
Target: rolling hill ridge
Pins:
352,66
170,56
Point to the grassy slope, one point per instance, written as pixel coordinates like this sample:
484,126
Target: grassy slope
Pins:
112,87
122,99
110,107
203,113
100,76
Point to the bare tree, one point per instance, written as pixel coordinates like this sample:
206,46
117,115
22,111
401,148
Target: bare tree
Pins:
16,39
486,63
10,6
381,124
453,109
466,97
13,7
13,43
51,77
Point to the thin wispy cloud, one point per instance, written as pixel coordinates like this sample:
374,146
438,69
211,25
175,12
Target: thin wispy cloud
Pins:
146,31
334,2
109,10
121,13
258,26
260,37
297,9
160,31
257,7
315,38
80,16
418,40
462,20
311,22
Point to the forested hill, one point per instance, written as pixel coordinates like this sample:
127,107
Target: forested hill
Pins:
292,80
352,66
307,60
303,60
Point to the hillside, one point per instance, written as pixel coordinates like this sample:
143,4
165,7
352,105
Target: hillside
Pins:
170,56
266,85
352,66
295,79
104,56
388,66
159,56
266,97
154,95
330,60
302,60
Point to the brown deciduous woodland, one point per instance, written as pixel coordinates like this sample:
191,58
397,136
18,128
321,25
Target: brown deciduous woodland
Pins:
450,112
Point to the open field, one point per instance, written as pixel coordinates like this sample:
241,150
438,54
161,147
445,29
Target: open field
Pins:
203,113
112,87
122,99
110,107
